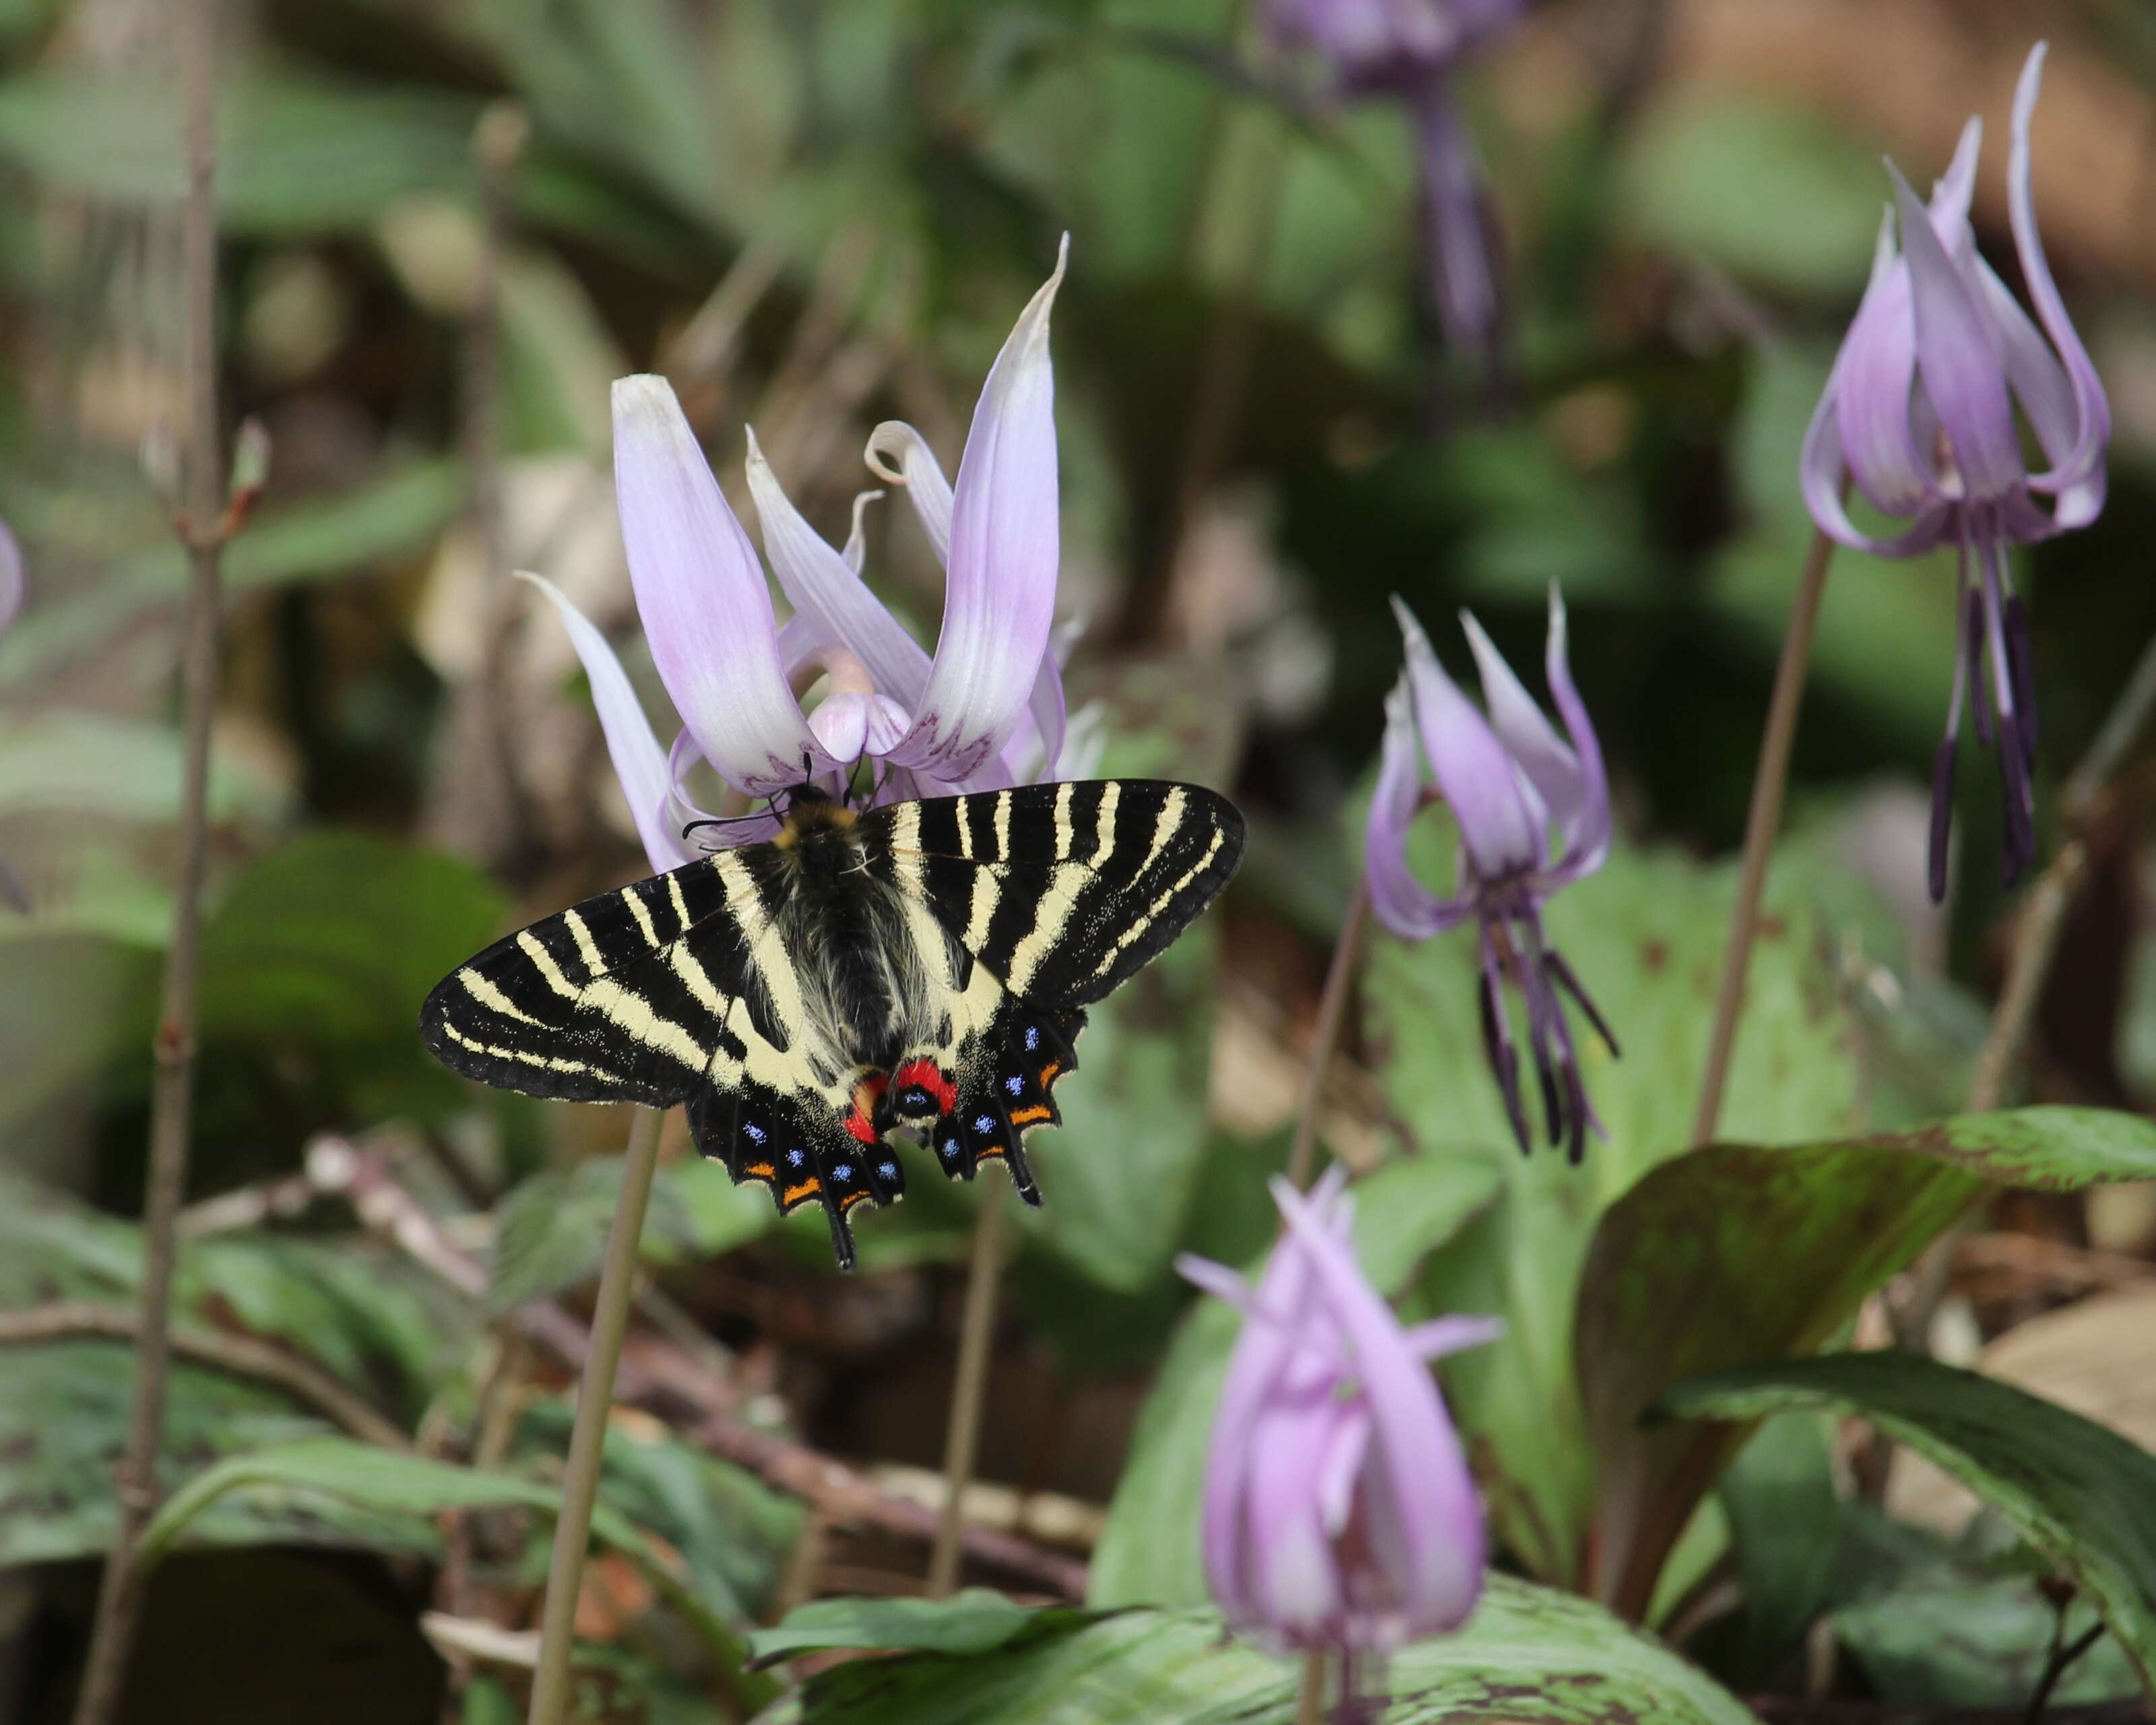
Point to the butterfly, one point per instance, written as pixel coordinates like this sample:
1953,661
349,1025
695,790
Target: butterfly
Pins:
923,967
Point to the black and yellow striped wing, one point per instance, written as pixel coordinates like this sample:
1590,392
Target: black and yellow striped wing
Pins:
1065,892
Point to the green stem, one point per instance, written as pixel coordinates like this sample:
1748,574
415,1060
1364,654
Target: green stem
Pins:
580,1484
1332,1013
962,1438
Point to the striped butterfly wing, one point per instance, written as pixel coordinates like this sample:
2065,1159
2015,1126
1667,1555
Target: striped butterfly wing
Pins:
676,989
1052,895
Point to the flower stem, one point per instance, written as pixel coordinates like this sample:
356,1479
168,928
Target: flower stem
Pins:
962,1438
119,1596
1760,828
1332,1013
580,1483
1310,1701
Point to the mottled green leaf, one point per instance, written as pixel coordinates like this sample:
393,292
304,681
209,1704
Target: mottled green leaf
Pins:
1675,1283
1148,1551
1529,1657
2077,1490
973,1620
1646,937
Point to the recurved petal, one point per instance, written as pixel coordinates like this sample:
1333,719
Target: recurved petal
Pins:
1417,1475
1551,767
1955,356
856,551
1401,902
638,761
1503,831
1440,1337
1952,191
1000,596
701,594
917,469
2076,475
822,586
1588,841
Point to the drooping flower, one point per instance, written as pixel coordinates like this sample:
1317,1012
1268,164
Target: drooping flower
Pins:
1533,815
985,710
1406,51
1918,414
1338,1514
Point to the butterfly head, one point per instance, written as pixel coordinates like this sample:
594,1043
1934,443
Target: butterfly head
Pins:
814,820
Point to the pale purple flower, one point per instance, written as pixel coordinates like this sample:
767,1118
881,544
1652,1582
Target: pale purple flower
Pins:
1533,815
1919,414
1339,1514
985,710
1406,51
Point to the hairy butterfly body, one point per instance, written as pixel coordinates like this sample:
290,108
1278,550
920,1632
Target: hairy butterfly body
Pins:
922,967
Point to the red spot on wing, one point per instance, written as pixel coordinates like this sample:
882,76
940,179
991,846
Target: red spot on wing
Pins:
929,1077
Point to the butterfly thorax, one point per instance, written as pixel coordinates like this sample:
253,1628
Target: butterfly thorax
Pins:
846,926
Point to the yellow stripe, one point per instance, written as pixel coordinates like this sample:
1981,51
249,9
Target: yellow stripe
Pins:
1104,823
643,916
1064,836
1160,904
543,962
484,991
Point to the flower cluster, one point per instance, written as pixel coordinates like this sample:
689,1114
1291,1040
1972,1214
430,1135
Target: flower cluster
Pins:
1533,815
1339,1514
1406,51
1918,415
986,711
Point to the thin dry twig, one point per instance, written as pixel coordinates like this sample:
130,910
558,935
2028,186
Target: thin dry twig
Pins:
203,531
242,1356
670,1382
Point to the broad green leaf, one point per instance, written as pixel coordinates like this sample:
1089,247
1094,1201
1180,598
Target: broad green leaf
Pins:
98,764
69,1004
1148,1551
294,156
1644,934
1530,1656
1674,1284
1976,1643
338,1470
549,1234
312,541
63,1420
323,949
356,1307
1772,194
733,1532
973,1620
1785,1527
2077,1491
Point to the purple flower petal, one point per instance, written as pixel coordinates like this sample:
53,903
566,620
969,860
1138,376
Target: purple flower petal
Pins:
1873,375
2078,474
1588,843
1954,190
1955,356
1401,902
1503,832
821,586
701,594
1535,747
856,551
1443,1335
1422,1495
918,470
1457,230
1000,598
850,725
638,761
